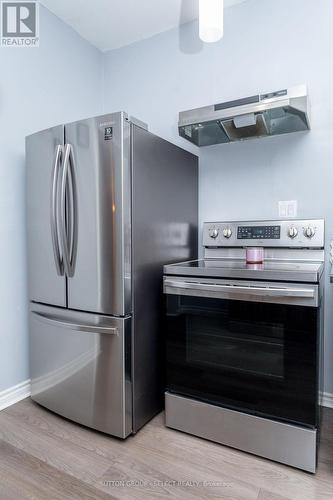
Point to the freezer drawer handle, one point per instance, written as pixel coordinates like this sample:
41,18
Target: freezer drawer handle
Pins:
54,211
54,320
247,290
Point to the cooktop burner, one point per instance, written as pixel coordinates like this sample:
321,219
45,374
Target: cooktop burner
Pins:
309,272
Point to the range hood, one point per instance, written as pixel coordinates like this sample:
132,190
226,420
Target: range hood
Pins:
262,115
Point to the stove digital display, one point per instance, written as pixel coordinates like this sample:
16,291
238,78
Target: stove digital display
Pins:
259,232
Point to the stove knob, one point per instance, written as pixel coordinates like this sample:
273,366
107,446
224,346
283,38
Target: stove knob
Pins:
292,232
213,233
227,232
309,232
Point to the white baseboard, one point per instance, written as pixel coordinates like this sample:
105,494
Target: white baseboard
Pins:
14,394
21,391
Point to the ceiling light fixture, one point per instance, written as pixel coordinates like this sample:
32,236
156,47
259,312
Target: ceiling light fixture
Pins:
210,20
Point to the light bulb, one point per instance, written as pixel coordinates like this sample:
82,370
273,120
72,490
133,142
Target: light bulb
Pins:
210,20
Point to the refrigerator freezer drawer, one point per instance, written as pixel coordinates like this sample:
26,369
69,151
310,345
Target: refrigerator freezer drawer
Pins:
80,367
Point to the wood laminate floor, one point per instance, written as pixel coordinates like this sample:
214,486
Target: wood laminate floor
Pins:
43,456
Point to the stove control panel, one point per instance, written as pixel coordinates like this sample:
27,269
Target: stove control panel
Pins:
259,232
280,233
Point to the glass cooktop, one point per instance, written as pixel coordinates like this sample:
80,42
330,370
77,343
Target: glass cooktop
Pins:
269,270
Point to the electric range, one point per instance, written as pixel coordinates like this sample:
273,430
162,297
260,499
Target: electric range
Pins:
244,341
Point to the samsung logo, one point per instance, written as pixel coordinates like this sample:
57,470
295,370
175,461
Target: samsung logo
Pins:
105,124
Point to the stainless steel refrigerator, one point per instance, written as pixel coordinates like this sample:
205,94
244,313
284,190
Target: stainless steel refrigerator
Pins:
108,203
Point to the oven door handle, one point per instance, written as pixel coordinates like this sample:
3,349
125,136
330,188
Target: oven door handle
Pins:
244,290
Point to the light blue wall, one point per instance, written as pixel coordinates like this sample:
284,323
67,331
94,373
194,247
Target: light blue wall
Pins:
268,45
59,81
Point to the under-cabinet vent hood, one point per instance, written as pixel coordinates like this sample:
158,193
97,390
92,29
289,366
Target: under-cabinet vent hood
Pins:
274,113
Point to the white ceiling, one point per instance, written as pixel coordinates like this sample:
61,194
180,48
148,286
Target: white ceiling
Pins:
109,24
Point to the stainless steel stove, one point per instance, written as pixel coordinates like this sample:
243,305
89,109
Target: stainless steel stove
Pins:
244,340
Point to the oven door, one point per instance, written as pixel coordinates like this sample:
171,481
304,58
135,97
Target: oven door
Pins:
249,346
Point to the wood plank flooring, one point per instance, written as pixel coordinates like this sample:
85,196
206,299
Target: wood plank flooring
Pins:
46,457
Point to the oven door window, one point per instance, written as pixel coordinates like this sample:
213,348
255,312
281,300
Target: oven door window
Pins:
234,345
251,356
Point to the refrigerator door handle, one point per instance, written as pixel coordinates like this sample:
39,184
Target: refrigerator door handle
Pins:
68,212
73,210
59,322
54,211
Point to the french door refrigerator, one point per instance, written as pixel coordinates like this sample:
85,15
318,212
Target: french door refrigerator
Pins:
108,203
